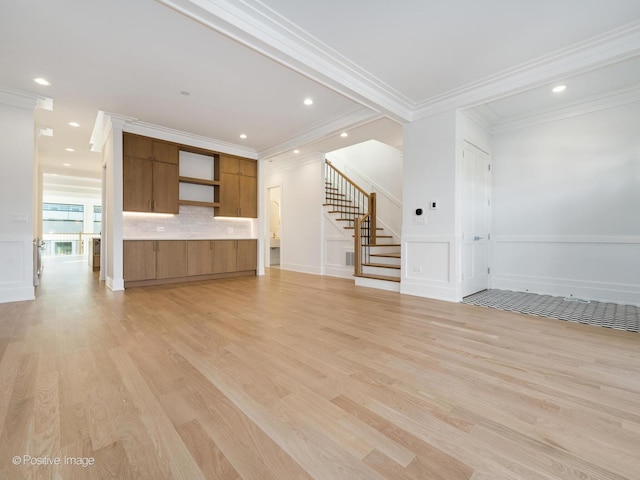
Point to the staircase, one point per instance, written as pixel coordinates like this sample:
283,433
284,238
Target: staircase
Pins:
376,254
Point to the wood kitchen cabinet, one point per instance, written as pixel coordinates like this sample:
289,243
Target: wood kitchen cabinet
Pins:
171,259
200,257
149,148
150,262
150,175
154,259
139,260
235,256
238,187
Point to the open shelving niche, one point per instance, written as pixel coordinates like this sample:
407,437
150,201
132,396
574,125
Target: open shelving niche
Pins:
199,185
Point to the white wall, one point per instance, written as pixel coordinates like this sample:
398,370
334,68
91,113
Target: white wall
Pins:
375,167
302,197
17,195
429,174
566,198
191,223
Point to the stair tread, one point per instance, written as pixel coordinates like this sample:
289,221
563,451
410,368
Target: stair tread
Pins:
381,265
379,277
386,255
382,245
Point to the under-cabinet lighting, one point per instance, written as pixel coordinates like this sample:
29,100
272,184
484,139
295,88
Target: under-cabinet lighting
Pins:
147,214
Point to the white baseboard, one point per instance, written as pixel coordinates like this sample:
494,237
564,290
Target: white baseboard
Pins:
19,294
601,268
301,268
601,292
446,293
115,285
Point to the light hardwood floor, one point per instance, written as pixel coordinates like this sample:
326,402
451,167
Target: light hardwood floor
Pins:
293,376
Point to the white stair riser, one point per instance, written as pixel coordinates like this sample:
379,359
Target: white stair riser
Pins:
385,260
390,272
379,284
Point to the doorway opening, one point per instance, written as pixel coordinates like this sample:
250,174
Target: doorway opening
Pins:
275,227
70,225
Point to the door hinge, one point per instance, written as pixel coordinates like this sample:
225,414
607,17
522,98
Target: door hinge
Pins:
489,201
489,167
489,270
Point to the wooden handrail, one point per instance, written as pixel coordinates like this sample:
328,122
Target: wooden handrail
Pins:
368,218
357,244
351,182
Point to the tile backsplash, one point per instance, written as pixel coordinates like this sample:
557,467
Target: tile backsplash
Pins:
192,223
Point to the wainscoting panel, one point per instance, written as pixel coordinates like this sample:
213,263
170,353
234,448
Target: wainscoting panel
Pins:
428,267
595,268
16,268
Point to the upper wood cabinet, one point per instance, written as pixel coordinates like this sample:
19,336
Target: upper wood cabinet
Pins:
150,148
150,175
149,186
238,187
153,182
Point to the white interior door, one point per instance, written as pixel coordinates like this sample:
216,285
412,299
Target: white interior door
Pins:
476,178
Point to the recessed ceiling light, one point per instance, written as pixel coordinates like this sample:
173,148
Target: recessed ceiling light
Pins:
243,136
74,124
308,101
344,134
559,88
41,81
66,164
70,149
296,151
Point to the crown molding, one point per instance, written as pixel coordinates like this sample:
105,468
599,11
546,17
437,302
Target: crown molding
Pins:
186,138
290,161
611,47
321,131
19,98
260,28
590,105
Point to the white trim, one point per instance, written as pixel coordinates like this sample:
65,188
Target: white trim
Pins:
604,239
321,131
186,138
589,105
300,268
19,98
561,287
610,287
611,47
256,26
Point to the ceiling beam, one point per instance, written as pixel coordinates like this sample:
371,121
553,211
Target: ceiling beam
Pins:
257,27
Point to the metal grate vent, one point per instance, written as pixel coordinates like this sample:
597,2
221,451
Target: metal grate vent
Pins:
348,259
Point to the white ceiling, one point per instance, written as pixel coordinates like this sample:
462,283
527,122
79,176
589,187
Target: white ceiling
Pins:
248,65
